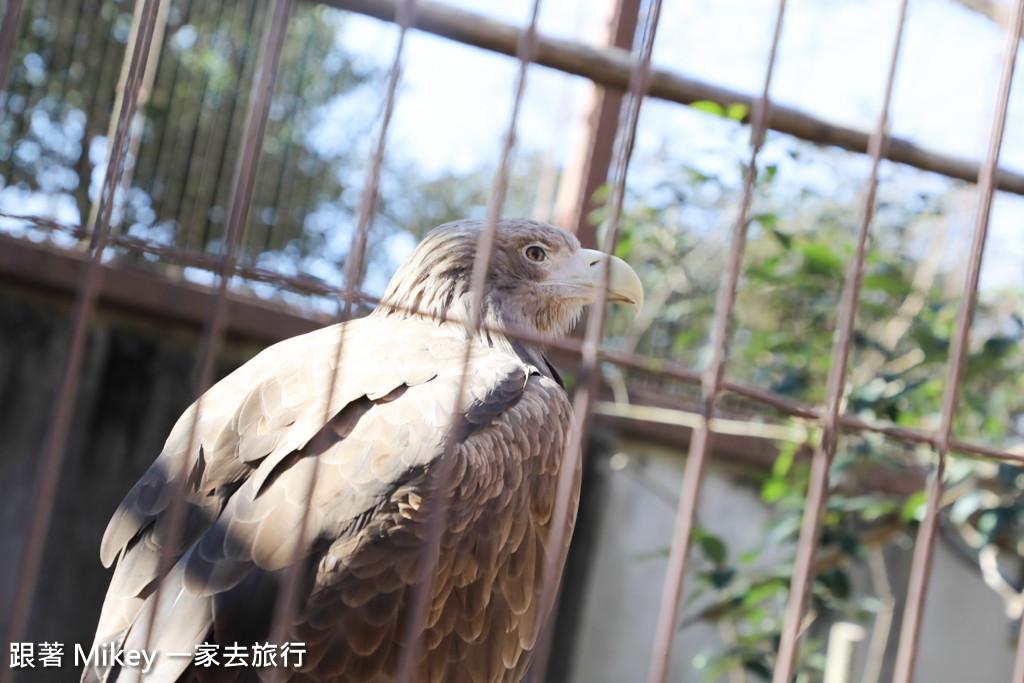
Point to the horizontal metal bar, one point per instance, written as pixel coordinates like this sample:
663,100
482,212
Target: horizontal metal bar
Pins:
142,291
49,268
612,67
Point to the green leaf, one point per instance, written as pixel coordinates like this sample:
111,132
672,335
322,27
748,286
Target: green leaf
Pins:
785,239
709,106
713,547
878,509
722,577
914,507
820,260
837,582
758,668
890,283
761,593
602,193
737,111
773,489
750,557
784,460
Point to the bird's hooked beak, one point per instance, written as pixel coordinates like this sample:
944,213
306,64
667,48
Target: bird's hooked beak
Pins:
623,285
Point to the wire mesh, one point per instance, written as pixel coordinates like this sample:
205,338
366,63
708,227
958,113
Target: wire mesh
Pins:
826,449
910,631
85,302
640,79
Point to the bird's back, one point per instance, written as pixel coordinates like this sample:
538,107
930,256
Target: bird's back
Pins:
371,439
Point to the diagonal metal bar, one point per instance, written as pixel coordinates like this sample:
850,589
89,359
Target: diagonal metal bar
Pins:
711,385
441,476
85,303
272,42
590,372
404,15
287,600
8,35
817,491
590,164
611,67
244,177
920,572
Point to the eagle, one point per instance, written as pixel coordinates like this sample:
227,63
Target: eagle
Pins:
351,422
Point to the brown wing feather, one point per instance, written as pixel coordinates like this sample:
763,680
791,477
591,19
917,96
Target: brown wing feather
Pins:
485,611
371,460
289,383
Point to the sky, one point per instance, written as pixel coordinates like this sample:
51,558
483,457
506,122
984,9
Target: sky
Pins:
455,101
833,58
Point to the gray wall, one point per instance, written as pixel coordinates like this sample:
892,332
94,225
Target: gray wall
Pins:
966,635
135,382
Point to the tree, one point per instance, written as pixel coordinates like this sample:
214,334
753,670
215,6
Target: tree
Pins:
62,86
677,231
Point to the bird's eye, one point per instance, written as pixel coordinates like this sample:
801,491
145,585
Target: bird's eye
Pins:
535,253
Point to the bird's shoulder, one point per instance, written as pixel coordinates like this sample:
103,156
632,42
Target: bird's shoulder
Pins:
272,406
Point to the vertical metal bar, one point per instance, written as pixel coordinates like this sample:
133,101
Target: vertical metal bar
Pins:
711,382
85,302
593,156
920,572
244,178
253,128
590,374
417,610
135,130
817,490
8,34
286,602
368,200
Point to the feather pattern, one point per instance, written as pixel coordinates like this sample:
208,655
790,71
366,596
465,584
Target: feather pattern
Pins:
345,426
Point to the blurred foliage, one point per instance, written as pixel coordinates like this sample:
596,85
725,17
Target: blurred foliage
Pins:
677,231
61,92
323,122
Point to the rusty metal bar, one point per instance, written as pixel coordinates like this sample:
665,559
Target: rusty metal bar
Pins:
404,14
8,35
817,491
438,515
244,178
612,68
593,156
286,602
85,302
135,128
920,572
711,382
312,286
590,375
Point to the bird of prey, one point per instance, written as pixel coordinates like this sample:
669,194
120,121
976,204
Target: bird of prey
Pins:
355,419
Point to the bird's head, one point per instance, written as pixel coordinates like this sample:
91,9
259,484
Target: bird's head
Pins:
539,278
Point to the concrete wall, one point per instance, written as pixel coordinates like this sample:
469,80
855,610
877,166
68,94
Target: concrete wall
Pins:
966,636
136,381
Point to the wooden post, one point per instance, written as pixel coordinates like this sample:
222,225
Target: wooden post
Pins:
588,169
